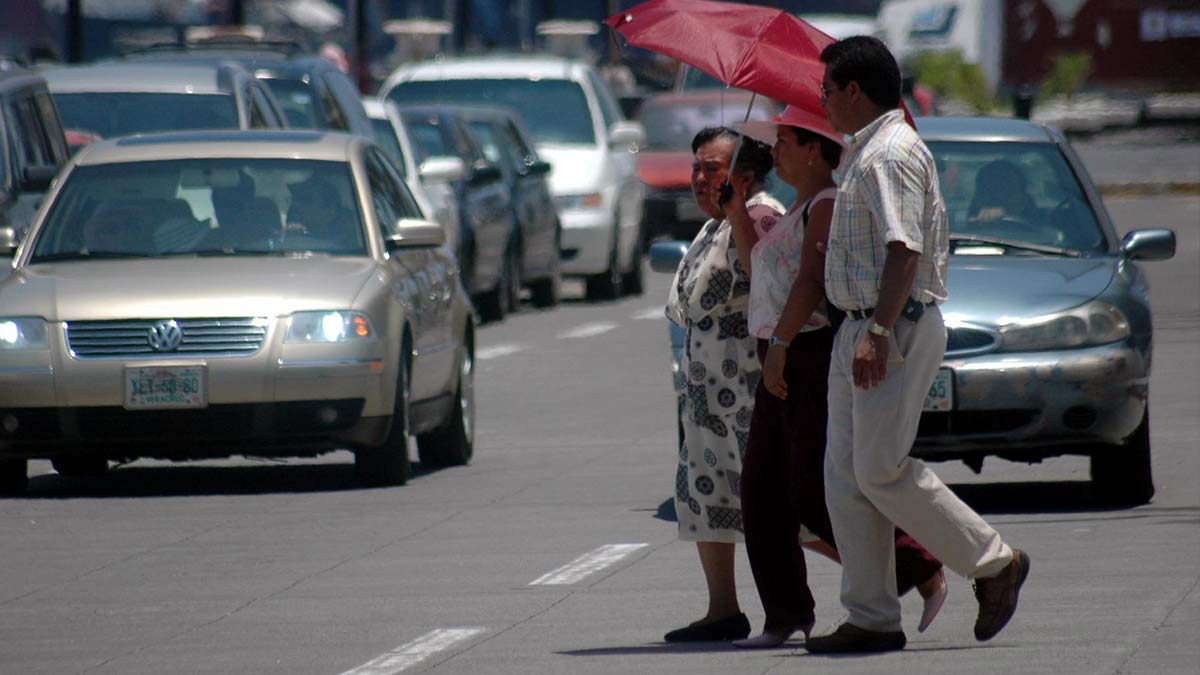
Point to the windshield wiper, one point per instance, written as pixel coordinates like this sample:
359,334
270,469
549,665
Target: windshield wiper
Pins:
1018,245
88,255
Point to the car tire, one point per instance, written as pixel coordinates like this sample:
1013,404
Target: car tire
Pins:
1121,474
387,464
453,443
13,477
512,279
80,465
545,292
608,284
495,304
632,282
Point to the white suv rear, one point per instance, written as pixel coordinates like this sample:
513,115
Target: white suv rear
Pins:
579,128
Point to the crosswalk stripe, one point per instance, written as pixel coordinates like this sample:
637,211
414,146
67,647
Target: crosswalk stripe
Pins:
496,351
411,653
587,330
587,564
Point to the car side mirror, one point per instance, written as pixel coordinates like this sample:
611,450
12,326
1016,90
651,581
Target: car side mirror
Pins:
665,256
483,172
1152,244
8,241
537,167
442,169
38,178
626,133
415,233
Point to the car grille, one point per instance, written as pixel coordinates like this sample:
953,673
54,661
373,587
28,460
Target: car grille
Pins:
966,340
201,337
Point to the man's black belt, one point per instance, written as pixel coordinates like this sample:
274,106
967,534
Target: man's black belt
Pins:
912,311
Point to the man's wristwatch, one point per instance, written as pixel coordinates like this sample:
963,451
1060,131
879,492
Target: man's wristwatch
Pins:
876,329
772,341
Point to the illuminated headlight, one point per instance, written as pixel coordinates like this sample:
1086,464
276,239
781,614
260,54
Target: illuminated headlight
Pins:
22,333
591,200
1095,323
329,327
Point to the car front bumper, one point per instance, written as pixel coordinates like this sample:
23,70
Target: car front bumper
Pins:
587,240
1041,404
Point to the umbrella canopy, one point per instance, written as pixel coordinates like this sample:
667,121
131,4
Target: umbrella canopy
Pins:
760,49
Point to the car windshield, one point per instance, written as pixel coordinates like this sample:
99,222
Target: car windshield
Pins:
554,111
385,136
296,100
671,125
109,114
1019,192
203,207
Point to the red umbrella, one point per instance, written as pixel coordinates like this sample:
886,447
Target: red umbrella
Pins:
760,49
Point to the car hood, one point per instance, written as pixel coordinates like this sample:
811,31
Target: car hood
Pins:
665,169
574,169
182,288
993,290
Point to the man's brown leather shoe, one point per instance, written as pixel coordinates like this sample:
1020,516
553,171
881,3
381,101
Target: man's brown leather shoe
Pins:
850,639
998,596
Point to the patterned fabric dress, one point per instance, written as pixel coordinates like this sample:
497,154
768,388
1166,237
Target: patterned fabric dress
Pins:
709,298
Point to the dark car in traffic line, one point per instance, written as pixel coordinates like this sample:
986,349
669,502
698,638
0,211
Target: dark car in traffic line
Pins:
537,232
446,148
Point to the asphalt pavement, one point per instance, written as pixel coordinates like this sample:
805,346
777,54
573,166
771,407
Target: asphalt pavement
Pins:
555,550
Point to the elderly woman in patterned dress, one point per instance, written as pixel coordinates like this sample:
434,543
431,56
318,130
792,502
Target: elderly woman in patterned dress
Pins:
709,298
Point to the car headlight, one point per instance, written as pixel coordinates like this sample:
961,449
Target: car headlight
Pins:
23,333
1095,323
308,327
590,200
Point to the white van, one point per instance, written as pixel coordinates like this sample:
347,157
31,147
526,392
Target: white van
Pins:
577,127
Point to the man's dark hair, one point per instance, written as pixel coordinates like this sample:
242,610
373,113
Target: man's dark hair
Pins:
867,61
831,152
754,156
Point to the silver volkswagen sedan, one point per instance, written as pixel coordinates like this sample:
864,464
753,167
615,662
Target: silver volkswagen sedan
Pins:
1049,327
209,294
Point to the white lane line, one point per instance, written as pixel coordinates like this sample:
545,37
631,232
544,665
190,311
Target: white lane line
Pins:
650,313
588,330
411,653
496,351
587,564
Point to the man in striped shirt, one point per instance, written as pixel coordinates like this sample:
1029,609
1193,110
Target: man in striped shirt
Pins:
886,267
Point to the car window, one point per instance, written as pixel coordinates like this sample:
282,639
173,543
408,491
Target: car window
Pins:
386,137
108,114
52,127
464,143
610,112
485,136
296,100
430,138
554,110
1021,191
258,119
389,196
203,206
346,96
34,141
334,117
525,153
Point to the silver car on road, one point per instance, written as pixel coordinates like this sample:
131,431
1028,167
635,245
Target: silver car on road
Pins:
206,294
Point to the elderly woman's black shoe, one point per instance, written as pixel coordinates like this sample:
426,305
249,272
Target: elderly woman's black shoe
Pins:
733,627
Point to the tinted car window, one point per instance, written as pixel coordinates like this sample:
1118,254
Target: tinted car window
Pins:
1021,191
110,114
203,206
427,133
334,117
555,111
485,135
297,101
385,136
51,127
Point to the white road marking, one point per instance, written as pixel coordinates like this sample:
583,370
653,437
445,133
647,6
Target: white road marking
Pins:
650,313
410,654
588,330
496,351
587,564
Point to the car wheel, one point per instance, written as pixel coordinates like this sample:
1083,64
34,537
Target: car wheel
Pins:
607,284
512,279
496,303
13,477
388,464
1121,474
453,443
545,292
632,280
80,465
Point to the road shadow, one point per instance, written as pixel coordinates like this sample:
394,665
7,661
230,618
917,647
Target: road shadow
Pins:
184,480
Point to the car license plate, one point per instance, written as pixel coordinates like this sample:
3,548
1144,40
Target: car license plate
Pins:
165,387
686,209
941,395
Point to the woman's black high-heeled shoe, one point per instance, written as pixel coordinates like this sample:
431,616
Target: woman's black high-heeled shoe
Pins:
733,627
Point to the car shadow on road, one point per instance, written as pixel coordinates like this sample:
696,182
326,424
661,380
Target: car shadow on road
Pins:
184,480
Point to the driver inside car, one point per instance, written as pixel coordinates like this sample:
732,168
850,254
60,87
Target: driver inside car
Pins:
1000,193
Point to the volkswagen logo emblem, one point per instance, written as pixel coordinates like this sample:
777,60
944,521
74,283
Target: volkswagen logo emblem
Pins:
165,336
